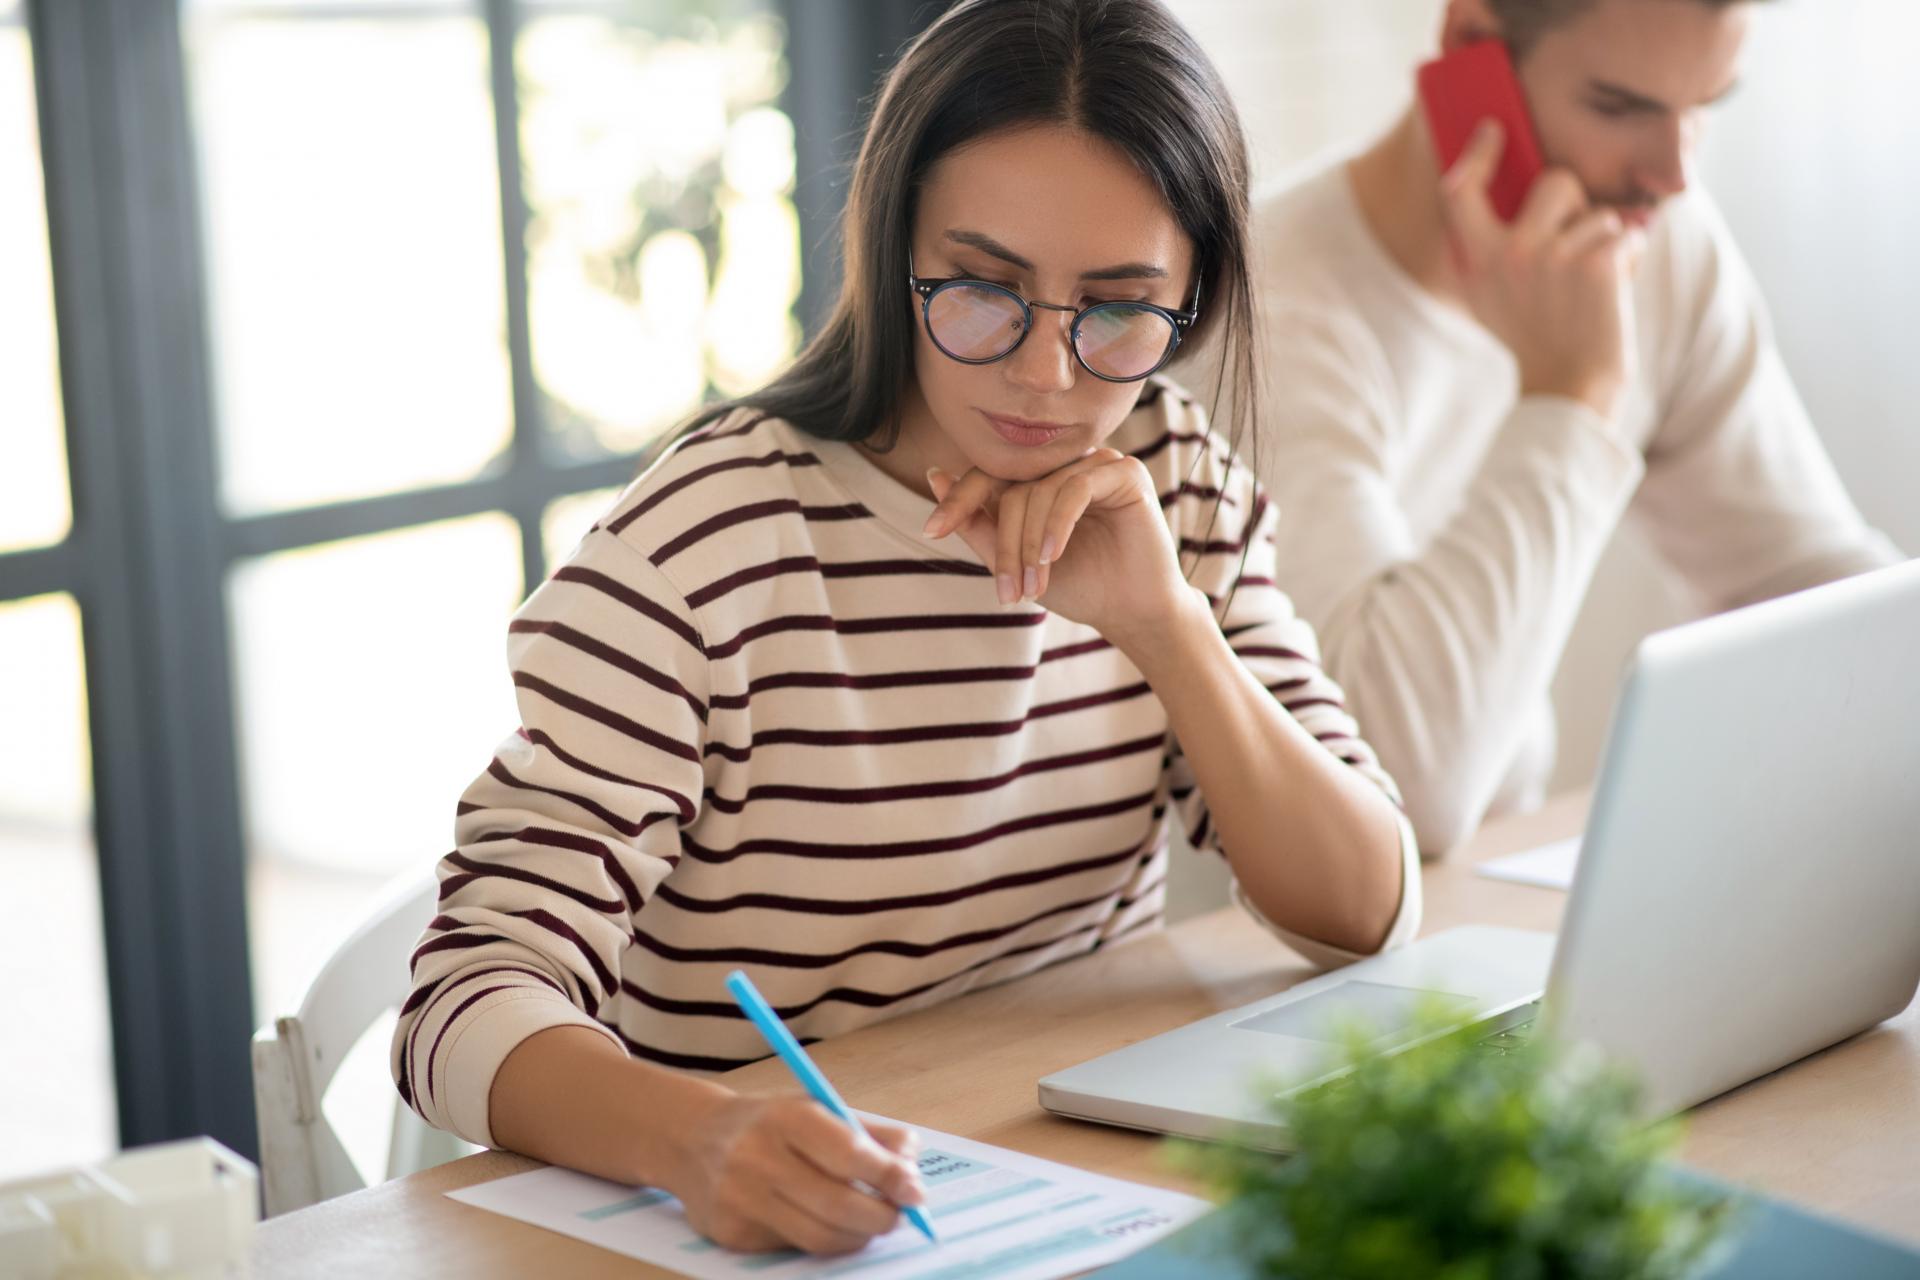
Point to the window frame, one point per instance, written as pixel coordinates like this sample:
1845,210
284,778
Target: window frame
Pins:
149,551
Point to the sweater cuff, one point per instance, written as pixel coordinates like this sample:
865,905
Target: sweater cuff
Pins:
1406,922
489,1032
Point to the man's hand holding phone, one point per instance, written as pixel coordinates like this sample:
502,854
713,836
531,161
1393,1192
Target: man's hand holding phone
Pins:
1552,285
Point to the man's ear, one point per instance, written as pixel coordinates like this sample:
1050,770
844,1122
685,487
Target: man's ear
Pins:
1466,22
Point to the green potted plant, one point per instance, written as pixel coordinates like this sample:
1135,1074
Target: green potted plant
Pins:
1464,1160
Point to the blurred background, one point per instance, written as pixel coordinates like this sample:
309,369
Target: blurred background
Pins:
327,326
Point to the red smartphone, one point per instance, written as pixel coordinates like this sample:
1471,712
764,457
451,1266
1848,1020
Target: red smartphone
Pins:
1467,86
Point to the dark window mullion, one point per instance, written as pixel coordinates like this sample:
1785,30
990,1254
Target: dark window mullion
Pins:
526,496
129,301
837,50
283,531
39,571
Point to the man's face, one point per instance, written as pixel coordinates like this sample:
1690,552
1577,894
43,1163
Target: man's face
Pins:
1617,94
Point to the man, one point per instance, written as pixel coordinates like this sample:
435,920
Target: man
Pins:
1458,411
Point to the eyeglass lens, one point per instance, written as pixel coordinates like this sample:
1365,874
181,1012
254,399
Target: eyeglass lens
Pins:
981,322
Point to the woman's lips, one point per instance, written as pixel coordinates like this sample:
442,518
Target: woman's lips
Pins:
1023,431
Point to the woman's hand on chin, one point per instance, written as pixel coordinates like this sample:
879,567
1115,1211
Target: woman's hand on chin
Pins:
1088,541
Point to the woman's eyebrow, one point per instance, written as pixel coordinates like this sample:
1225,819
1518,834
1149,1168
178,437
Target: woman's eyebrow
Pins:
1127,271
988,245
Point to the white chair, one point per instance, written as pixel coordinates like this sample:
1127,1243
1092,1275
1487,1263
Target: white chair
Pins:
294,1061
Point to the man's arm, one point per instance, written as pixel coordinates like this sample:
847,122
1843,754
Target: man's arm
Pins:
1445,648
1739,494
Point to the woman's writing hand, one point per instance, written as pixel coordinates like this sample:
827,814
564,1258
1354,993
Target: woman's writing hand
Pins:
770,1173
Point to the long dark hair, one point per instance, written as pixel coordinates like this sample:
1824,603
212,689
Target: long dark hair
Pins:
1123,70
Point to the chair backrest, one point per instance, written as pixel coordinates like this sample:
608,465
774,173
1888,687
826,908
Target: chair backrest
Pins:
294,1060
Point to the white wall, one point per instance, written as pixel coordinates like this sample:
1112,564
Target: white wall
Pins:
1816,164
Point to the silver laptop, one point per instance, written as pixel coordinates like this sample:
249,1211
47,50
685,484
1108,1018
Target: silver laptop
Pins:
1748,888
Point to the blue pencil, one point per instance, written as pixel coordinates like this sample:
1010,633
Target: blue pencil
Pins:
781,1041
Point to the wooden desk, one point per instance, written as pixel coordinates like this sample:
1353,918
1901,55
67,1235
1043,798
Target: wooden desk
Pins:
1838,1132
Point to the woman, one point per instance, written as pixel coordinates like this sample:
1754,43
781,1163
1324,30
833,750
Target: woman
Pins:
884,683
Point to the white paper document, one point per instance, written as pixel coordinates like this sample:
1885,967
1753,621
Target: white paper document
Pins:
998,1213
1551,866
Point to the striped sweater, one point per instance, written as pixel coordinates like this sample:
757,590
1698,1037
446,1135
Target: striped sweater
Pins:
766,724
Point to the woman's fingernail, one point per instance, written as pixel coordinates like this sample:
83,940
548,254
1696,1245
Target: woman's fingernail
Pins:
933,522
1032,583
1047,550
1004,585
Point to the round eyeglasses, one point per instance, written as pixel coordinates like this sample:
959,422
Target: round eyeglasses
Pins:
976,322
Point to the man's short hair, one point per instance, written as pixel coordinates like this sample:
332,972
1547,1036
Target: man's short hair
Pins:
1524,21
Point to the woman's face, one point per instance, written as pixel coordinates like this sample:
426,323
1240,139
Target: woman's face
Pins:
1057,216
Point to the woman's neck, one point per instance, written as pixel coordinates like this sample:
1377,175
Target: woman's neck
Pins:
918,445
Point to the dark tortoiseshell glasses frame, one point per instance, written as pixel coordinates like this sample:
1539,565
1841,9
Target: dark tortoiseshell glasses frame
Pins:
1178,322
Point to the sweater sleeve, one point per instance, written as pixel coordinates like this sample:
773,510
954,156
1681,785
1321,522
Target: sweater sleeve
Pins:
564,836
1446,647
1739,494
1236,570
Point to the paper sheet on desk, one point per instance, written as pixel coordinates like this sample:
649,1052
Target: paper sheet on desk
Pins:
1551,866
998,1213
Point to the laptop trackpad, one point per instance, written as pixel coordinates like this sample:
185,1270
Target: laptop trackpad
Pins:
1367,1004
